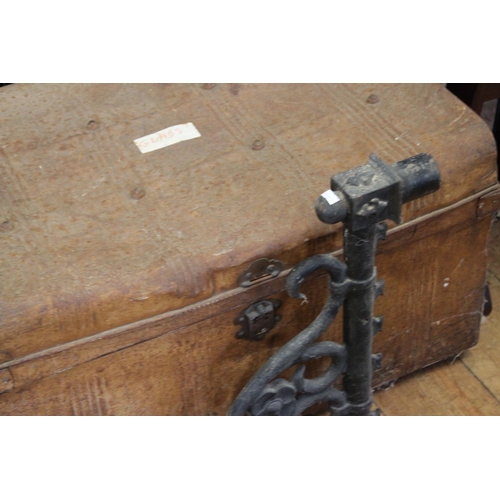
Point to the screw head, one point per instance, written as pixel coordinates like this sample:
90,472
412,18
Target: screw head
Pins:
6,226
258,145
137,193
372,99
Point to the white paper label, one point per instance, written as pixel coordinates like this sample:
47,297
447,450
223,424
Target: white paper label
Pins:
330,197
167,137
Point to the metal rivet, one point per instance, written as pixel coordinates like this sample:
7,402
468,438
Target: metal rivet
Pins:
209,86
6,226
92,125
258,145
372,99
137,193
366,178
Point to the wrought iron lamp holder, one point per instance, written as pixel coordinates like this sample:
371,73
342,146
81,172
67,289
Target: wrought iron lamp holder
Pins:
362,198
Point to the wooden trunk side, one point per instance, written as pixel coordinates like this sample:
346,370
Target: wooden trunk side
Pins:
434,273
66,356
82,252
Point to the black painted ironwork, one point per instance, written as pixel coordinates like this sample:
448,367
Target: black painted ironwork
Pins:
361,198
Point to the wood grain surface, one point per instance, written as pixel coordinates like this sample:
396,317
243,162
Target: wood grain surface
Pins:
484,359
81,253
190,363
445,389
467,384
119,269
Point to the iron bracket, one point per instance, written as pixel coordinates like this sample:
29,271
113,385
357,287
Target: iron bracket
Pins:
362,199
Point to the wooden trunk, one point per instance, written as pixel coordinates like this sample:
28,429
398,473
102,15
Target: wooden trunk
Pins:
119,269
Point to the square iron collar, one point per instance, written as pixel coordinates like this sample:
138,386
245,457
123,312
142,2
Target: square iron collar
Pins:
373,192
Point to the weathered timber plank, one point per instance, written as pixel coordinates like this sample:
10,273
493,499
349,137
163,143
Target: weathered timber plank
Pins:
484,359
447,388
494,250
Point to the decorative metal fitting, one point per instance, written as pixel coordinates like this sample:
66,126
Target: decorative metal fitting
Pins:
258,271
258,319
362,199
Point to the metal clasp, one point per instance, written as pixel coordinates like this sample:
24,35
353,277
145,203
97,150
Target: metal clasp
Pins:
258,319
260,270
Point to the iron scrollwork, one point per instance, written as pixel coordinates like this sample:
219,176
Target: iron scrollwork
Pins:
362,199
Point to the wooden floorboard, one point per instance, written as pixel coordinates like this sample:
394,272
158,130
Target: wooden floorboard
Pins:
483,360
467,385
447,388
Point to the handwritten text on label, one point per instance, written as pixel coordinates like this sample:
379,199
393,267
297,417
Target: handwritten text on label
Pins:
167,137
